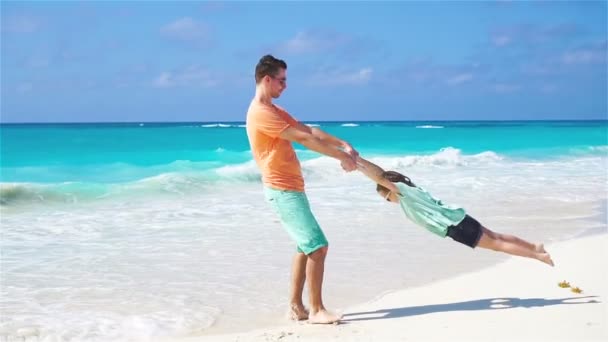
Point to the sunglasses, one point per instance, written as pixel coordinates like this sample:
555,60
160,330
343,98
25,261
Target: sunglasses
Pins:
282,80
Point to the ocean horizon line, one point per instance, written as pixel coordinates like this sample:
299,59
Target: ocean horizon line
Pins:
304,121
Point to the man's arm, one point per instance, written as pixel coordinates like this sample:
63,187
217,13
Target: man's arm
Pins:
374,172
306,138
329,139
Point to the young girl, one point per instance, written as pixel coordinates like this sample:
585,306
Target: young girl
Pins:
443,220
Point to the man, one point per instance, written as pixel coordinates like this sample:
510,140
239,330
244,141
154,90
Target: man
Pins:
271,130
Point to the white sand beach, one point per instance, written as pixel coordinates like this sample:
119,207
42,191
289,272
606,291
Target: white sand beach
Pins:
517,300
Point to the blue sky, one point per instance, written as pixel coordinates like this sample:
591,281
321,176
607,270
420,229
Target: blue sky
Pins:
194,61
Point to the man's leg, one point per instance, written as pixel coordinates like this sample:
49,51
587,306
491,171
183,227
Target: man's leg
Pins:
298,277
314,272
297,218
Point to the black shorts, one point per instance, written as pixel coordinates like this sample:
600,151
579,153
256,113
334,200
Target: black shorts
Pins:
467,232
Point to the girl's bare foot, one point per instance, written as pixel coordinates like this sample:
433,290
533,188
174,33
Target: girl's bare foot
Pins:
546,258
540,248
324,317
297,313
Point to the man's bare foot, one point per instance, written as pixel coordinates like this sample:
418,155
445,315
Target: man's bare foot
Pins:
540,248
546,258
297,313
324,317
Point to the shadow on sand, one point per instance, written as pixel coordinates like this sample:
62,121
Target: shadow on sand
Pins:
480,304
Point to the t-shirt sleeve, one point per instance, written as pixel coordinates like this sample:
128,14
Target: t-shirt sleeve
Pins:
402,188
273,123
290,119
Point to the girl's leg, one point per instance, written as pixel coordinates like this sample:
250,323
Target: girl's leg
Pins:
513,245
521,242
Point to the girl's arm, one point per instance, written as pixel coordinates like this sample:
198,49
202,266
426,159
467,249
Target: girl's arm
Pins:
374,172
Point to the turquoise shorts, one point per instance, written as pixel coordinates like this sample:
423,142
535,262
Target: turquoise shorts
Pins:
294,211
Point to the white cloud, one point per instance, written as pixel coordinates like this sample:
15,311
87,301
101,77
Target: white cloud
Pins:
186,30
424,72
24,87
533,34
313,41
548,88
342,77
564,61
21,24
213,6
163,80
37,62
584,56
190,76
504,88
501,39
459,79
302,43
538,68
137,68
362,76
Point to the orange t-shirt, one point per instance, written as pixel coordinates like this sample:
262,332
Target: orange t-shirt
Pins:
275,157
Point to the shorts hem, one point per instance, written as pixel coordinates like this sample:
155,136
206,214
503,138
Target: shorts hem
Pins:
313,249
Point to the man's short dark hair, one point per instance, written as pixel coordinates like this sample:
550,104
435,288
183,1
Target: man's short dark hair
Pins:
268,66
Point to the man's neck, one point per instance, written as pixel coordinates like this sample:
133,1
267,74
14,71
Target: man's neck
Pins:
262,97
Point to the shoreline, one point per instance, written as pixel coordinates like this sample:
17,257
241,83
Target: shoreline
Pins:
484,296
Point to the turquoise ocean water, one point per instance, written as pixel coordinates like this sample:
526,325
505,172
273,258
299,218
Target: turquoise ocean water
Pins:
133,231
85,161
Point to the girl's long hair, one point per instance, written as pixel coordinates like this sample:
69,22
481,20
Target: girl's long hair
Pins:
395,177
